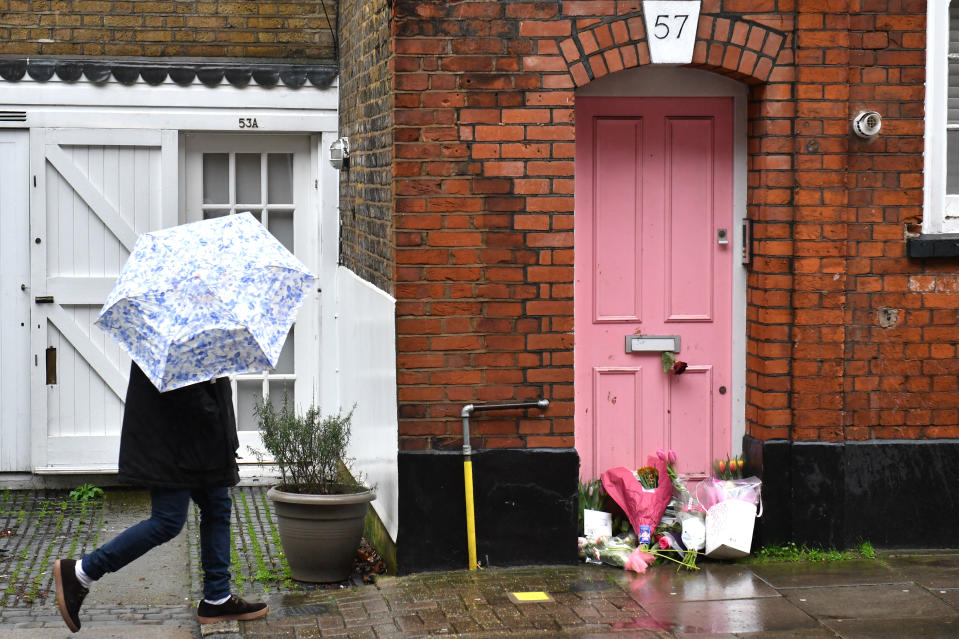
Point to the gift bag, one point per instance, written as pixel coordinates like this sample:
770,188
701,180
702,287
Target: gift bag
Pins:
729,529
730,515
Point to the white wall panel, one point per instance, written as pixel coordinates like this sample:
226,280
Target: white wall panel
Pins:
366,339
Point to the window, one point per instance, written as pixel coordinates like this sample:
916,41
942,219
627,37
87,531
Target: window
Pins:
941,206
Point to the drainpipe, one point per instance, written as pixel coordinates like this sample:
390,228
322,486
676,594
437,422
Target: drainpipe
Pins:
468,410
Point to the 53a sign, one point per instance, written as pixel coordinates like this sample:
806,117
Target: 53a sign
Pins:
671,29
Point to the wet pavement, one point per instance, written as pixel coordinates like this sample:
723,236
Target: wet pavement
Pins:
904,595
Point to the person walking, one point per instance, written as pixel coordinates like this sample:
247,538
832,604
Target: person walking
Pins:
181,444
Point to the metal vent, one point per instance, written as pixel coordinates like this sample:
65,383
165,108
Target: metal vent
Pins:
13,116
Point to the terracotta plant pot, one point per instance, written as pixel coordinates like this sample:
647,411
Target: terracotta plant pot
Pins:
320,533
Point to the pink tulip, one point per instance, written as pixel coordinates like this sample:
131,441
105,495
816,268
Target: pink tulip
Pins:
661,454
672,456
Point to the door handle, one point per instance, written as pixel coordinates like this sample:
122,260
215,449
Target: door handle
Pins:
722,236
43,299
51,356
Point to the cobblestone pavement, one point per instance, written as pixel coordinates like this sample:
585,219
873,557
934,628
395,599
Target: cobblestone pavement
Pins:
39,526
900,596
913,596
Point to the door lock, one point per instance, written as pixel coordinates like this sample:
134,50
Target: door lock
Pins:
722,236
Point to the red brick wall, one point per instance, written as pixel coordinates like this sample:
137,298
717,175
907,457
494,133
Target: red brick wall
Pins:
484,168
900,374
297,29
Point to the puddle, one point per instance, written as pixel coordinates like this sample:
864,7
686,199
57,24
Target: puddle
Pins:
590,586
644,623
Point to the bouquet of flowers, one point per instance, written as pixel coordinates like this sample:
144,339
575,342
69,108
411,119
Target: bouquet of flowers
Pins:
682,510
644,507
728,468
614,551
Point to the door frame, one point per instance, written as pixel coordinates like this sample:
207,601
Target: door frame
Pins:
680,82
307,246
15,302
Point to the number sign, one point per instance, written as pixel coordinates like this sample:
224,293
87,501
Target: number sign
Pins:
671,30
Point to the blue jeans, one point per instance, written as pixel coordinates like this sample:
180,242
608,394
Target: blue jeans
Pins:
169,510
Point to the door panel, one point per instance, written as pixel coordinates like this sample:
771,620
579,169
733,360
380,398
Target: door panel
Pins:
95,191
618,397
653,190
14,303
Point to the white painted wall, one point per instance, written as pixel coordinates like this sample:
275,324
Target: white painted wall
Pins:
366,338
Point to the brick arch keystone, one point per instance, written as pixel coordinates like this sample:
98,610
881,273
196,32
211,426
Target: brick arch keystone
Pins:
741,49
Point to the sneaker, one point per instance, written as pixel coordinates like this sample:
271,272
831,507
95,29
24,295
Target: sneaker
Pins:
233,609
70,592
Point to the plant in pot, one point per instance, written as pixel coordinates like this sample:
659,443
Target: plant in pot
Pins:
320,505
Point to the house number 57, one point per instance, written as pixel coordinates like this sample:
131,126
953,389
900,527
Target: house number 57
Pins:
248,123
662,29
671,26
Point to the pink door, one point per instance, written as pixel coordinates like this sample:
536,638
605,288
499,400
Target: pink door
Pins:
654,223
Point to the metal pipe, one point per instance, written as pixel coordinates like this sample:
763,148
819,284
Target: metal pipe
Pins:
468,410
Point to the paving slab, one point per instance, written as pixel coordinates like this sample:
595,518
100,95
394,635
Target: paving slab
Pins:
801,633
805,633
834,573
712,581
161,577
931,571
869,602
949,595
902,628
731,616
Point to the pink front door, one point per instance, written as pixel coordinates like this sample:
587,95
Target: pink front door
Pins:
654,205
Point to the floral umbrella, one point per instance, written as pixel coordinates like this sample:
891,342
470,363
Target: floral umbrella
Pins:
205,299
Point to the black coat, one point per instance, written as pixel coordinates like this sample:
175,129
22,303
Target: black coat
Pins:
183,438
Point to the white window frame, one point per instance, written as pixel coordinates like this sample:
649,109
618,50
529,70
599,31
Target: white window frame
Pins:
940,210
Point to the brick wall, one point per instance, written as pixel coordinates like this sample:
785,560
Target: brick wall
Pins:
900,374
847,338
296,29
366,118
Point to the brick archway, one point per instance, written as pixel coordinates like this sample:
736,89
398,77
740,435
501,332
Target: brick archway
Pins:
741,49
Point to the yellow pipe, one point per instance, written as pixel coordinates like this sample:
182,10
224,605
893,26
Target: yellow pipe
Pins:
468,466
470,515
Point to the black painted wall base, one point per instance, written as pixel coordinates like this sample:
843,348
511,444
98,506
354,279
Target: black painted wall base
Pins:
525,500
892,493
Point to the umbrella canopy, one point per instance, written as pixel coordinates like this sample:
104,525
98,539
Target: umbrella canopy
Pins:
205,299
